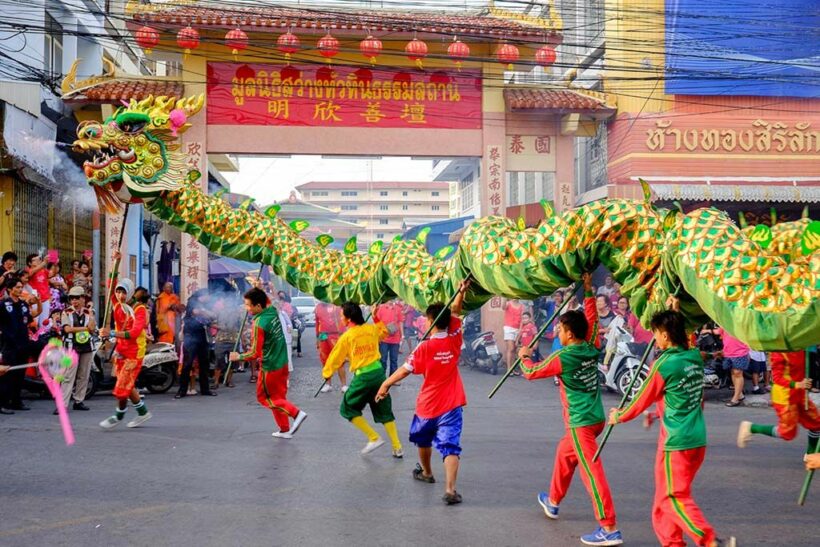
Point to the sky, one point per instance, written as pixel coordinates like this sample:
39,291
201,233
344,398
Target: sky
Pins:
272,179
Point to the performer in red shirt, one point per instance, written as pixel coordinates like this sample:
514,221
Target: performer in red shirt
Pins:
329,326
438,418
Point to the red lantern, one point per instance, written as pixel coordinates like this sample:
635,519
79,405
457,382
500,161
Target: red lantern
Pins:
289,73
458,50
328,46
370,48
288,43
237,40
507,54
545,56
147,38
325,75
416,50
188,39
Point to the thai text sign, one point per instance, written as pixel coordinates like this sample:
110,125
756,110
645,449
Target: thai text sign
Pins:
328,96
762,136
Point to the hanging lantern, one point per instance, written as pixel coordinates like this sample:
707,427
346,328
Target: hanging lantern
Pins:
416,50
289,73
188,39
237,40
439,78
288,43
458,50
328,46
507,54
370,48
545,56
325,75
147,38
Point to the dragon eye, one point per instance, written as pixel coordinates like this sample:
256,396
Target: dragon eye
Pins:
131,127
131,122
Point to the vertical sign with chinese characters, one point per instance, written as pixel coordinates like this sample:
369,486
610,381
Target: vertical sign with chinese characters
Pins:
495,178
113,226
193,257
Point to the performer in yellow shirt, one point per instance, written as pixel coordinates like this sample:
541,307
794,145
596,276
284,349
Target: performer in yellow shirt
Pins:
360,346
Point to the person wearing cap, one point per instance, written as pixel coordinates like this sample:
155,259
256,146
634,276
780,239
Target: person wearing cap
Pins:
78,323
131,325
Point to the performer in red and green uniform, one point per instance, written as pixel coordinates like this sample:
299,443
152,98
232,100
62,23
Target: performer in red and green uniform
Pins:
576,364
329,326
268,345
790,399
675,383
130,327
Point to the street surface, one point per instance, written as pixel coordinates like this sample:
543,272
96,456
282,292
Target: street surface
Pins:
206,471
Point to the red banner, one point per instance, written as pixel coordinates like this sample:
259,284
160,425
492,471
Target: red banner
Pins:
327,96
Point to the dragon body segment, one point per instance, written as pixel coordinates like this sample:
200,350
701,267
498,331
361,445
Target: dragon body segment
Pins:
766,295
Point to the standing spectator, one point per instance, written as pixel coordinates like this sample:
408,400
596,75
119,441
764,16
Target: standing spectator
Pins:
391,315
329,327
554,303
287,330
195,344
15,316
57,287
757,368
639,334
75,267
168,304
78,322
83,278
527,333
513,310
410,333
8,267
38,279
737,355
622,308
605,317
608,288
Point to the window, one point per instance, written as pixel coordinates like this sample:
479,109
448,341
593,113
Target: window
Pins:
349,193
525,187
435,194
349,207
404,207
383,207
384,221
404,194
53,48
317,194
383,194
466,190
379,236
436,207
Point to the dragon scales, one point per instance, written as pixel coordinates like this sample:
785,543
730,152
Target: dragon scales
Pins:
761,284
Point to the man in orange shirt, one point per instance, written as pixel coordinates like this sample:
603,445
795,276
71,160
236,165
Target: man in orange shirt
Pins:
167,306
329,326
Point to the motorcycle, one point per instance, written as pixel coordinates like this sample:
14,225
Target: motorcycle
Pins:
621,359
158,373
715,375
479,349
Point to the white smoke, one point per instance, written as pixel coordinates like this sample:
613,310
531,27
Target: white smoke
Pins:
71,180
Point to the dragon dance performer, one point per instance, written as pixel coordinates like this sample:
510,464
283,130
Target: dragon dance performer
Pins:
790,400
360,345
675,383
438,417
130,327
576,364
268,345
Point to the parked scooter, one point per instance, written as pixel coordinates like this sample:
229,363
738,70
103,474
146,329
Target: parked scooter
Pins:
715,376
159,369
621,358
479,349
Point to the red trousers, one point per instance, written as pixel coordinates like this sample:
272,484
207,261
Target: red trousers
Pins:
577,447
674,511
326,346
271,390
127,371
794,413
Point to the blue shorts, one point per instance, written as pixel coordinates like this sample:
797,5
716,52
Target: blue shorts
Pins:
737,363
444,432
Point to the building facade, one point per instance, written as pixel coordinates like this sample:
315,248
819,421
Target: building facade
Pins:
384,209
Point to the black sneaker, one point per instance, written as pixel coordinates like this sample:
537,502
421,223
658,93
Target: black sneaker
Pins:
418,474
80,406
452,499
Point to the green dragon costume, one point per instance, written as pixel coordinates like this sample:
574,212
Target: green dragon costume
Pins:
760,284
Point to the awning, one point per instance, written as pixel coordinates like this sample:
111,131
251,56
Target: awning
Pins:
223,268
738,192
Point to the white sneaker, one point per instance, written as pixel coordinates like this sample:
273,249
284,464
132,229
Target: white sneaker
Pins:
282,434
297,421
139,420
344,389
326,388
110,422
191,392
371,446
744,433
398,453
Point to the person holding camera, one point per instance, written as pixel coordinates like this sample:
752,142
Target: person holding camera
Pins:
79,322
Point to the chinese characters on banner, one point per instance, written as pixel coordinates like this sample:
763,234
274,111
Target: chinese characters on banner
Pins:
113,225
193,257
495,176
529,153
338,96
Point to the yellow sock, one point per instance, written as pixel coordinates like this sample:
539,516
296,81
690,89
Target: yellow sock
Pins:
393,433
362,425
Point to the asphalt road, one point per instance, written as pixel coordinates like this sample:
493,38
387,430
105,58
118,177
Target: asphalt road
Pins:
206,471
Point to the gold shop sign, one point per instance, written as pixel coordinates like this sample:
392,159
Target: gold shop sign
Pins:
762,137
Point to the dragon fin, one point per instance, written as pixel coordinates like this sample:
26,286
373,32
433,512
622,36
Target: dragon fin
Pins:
299,225
351,246
324,240
376,247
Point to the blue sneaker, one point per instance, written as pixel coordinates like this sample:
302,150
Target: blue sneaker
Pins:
602,537
549,509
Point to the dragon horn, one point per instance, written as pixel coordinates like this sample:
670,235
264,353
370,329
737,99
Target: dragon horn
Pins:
773,212
805,212
741,218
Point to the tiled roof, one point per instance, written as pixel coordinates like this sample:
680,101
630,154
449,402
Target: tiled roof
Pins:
374,185
555,99
121,89
278,19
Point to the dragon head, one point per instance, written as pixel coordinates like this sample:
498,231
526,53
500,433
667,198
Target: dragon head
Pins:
135,153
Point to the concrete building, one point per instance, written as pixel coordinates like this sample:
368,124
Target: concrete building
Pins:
382,207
